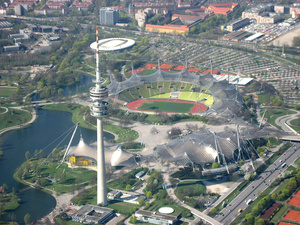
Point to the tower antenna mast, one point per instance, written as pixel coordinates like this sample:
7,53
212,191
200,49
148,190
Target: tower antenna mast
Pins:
99,107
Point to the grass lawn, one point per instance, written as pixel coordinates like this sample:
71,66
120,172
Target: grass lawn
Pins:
275,141
158,203
190,188
262,98
147,72
2,110
273,113
296,125
49,170
281,187
166,106
14,117
6,91
298,161
123,208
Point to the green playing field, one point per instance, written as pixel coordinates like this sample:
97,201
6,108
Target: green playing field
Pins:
166,106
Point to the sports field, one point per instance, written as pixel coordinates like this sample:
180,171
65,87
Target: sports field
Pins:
293,216
166,106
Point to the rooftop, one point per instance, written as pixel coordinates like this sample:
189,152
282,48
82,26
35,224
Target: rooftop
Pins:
113,44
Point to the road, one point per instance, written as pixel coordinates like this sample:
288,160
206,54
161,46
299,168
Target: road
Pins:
230,212
284,120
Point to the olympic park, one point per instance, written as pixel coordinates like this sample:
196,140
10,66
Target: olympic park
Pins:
179,92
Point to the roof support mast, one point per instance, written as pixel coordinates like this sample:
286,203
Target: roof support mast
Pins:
67,150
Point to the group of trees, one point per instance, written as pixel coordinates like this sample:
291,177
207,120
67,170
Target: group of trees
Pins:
8,200
265,202
154,182
127,180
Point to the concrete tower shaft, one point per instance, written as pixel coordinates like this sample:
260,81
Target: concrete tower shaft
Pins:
99,107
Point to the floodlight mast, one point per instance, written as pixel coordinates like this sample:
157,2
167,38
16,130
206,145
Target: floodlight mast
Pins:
99,107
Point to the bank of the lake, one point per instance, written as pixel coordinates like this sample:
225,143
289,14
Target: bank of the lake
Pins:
43,135
79,112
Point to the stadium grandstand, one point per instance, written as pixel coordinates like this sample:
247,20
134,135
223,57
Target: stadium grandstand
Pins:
183,85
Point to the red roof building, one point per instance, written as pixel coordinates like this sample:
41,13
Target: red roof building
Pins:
80,5
167,28
179,68
209,71
194,70
151,66
223,8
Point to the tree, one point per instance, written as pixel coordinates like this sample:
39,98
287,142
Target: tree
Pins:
5,187
27,218
132,219
27,155
154,130
213,211
141,202
128,187
147,204
215,165
174,132
249,219
148,194
260,221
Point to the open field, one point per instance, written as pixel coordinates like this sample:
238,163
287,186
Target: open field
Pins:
296,125
6,91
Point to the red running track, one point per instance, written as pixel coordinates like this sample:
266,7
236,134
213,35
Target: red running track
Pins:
198,107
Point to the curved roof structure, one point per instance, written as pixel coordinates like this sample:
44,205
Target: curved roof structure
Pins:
117,157
113,44
225,95
205,147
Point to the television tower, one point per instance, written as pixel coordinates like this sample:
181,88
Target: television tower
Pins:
99,106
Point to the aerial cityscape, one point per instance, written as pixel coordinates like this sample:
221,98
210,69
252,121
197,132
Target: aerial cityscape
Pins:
150,112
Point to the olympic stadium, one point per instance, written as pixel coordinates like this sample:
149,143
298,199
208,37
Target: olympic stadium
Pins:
217,96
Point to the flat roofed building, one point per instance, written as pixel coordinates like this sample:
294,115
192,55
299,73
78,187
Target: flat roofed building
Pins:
11,48
139,174
93,214
167,28
238,24
109,15
156,218
269,18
